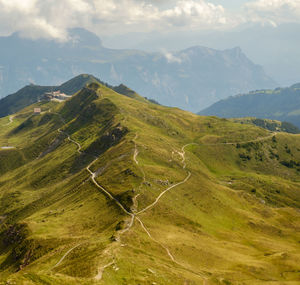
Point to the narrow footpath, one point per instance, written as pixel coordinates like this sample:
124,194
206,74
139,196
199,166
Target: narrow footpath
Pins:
134,215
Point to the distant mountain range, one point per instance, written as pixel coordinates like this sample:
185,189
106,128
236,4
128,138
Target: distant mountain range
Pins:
281,104
190,79
276,48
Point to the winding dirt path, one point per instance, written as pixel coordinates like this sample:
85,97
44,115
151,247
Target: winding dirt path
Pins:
93,176
75,142
11,119
158,198
130,224
65,255
7,147
136,152
134,216
164,192
150,236
169,253
66,134
135,203
182,154
101,270
183,161
242,142
71,140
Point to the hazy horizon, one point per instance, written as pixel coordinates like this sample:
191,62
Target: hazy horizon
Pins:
266,30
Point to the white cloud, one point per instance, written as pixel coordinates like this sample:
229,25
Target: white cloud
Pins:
139,16
273,11
52,18
171,58
195,14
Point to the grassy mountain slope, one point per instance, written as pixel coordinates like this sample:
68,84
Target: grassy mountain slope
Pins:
79,205
31,93
281,104
271,125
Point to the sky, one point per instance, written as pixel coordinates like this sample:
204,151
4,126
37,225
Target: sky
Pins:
230,4
53,18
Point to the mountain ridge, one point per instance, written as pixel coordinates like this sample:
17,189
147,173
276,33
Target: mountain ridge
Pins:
281,104
185,79
114,189
32,93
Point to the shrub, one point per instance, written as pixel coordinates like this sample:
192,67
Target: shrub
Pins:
244,156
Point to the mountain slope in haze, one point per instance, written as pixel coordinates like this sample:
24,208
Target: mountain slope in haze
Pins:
32,93
191,79
108,189
281,104
275,47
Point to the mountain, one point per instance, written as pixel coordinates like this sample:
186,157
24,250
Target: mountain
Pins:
108,189
32,93
192,78
271,125
275,47
281,104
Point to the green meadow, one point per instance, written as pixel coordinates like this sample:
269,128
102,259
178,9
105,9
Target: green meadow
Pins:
231,214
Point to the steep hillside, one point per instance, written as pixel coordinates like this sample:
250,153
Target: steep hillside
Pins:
281,104
191,79
108,189
32,93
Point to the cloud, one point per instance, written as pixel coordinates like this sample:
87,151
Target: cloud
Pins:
273,11
36,18
195,14
171,58
52,18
